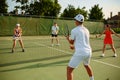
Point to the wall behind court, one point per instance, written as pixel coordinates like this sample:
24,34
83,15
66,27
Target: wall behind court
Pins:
41,26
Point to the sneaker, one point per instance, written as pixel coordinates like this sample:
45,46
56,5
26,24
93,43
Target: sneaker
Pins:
102,55
57,44
23,50
115,55
91,78
52,45
12,51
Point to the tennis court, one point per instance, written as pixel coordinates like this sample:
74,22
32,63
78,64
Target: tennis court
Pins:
40,61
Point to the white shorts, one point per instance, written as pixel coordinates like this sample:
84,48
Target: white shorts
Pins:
77,59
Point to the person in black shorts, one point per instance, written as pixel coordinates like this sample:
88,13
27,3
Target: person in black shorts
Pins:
54,35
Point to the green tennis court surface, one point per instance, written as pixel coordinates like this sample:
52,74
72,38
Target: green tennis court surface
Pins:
40,61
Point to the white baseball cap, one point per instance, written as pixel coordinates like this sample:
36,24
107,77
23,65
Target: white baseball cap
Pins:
17,24
79,18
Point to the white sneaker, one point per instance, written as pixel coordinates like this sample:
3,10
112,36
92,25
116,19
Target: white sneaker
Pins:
102,55
115,55
52,45
91,78
57,44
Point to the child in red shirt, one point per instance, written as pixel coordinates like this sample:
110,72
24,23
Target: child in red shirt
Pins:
108,39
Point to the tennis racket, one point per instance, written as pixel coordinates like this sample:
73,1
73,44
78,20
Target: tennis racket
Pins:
15,37
65,31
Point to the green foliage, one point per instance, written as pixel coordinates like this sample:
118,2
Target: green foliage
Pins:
117,30
96,13
22,1
49,8
71,12
56,8
41,7
24,4
82,11
3,6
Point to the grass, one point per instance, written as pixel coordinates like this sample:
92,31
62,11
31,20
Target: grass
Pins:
40,61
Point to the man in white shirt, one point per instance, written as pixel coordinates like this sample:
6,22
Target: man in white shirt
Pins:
79,41
55,30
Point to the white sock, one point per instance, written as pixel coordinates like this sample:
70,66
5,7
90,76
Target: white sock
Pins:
103,54
115,55
92,78
52,45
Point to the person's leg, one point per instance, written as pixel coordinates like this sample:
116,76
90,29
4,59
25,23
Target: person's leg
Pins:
52,41
114,50
22,46
89,71
70,73
14,44
73,63
88,68
57,40
52,38
103,51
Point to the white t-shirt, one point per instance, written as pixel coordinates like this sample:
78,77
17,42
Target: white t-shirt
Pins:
54,29
80,35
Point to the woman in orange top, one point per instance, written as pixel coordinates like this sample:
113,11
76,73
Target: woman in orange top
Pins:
108,39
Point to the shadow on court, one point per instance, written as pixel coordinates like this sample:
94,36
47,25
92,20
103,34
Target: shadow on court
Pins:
38,65
36,60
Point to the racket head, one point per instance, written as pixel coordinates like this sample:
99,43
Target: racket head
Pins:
65,31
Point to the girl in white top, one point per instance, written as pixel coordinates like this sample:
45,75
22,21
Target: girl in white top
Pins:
79,41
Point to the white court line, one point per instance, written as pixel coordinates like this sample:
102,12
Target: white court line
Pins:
71,53
53,48
107,64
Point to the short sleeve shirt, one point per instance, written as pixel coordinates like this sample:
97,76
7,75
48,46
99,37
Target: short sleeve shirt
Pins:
54,29
80,35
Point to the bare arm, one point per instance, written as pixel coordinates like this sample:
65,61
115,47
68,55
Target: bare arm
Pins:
57,31
20,32
100,34
115,33
14,32
71,42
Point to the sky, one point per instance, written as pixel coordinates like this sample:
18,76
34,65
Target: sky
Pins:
107,5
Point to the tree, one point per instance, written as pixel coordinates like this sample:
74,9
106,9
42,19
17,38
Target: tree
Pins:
71,12
24,5
82,11
96,13
3,6
41,7
56,8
